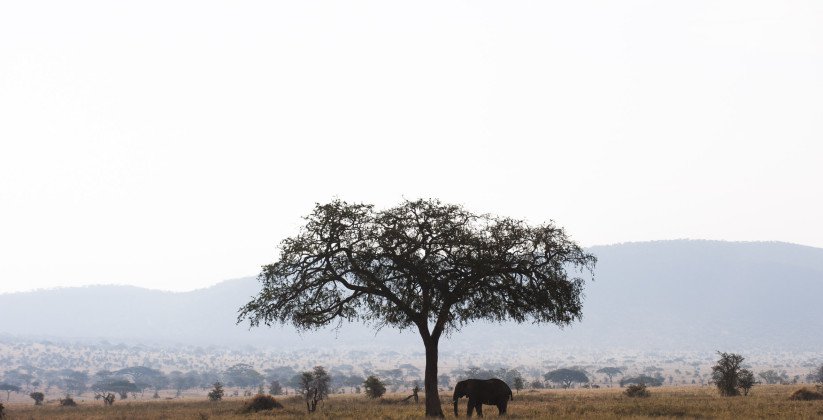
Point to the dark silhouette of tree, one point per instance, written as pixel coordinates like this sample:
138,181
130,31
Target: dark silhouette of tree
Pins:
610,372
424,265
726,374
745,381
374,387
314,385
38,397
518,383
216,393
566,377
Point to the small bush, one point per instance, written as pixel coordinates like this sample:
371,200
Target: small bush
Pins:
261,402
38,397
374,387
804,394
68,402
637,390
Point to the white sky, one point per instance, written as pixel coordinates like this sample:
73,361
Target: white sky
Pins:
173,144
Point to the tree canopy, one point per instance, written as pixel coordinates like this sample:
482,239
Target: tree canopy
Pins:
422,264
566,377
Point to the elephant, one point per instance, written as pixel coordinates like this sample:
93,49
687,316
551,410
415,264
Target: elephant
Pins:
483,391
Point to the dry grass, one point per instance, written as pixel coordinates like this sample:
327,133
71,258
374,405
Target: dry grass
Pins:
770,402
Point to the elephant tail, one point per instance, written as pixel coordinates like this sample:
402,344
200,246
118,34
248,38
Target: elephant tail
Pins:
511,395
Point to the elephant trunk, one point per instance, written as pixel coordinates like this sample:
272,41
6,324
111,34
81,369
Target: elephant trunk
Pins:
455,408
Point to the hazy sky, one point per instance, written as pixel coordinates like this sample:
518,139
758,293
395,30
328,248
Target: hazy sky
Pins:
172,144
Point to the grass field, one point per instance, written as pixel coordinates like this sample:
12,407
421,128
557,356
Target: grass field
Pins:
766,401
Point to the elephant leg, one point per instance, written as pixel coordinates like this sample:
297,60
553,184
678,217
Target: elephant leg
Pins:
479,408
502,407
470,408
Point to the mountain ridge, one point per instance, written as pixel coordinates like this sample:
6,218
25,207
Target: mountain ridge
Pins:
661,294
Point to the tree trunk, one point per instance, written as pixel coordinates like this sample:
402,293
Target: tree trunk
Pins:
433,408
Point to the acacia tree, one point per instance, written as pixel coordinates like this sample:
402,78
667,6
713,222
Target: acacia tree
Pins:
610,371
425,265
566,377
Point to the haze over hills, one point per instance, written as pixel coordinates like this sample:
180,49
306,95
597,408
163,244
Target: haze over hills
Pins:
664,295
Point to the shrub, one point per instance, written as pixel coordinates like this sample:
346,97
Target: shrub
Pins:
804,394
68,402
374,387
637,390
726,374
216,394
261,402
38,397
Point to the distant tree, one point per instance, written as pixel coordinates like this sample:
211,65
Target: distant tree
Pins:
641,379
142,377
444,380
38,397
314,386
423,265
275,388
726,374
518,383
243,375
374,387
817,377
610,371
745,381
536,384
216,393
9,388
772,377
68,402
566,377
120,386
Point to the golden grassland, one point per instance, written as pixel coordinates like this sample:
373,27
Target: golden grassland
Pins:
765,401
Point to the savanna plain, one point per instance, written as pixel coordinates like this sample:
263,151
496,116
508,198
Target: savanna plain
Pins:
765,401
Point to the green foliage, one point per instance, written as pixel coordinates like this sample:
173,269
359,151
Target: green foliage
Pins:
374,387
217,392
726,374
38,397
566,377
637,391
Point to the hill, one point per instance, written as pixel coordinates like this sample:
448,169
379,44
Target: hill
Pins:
664,295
